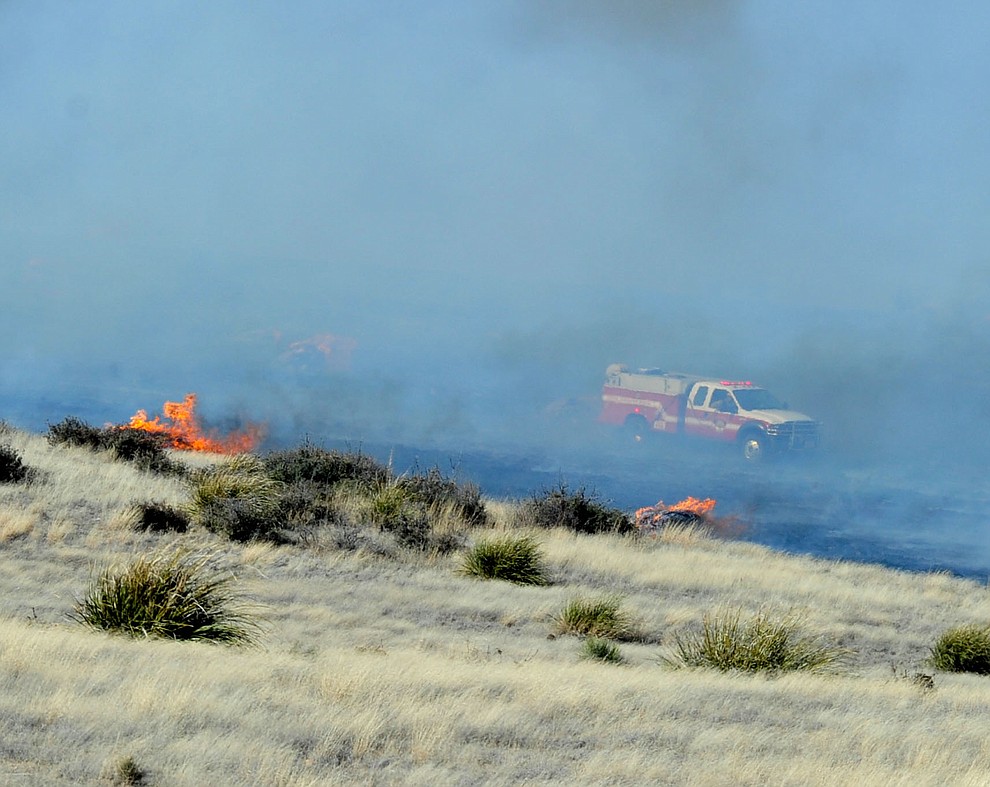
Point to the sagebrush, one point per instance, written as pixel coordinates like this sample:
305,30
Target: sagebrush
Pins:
578,510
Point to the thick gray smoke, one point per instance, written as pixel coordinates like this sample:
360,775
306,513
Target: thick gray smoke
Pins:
438,224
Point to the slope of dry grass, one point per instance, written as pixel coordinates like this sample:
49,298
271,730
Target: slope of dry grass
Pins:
382,670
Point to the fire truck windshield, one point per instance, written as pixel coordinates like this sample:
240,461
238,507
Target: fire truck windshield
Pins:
757,399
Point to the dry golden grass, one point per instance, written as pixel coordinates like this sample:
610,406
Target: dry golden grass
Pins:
398,670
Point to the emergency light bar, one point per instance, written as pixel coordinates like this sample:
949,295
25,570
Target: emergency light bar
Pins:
734,382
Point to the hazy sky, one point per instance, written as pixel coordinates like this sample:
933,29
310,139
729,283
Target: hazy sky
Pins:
489,180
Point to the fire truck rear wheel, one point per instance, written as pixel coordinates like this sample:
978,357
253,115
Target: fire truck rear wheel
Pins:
754,447
636,428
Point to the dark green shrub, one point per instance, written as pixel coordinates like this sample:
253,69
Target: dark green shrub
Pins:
434,489
579,511
12,467
601,618
604,650
171,596
511,558
157,517
310,463
962,649
74,431
237,499
147,450
762,644
411,522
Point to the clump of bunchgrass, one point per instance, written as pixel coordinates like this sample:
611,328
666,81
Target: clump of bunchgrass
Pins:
962,649
597,649
760,644
126,771
236,498
173,596
12,467
601,618
577,510
510,558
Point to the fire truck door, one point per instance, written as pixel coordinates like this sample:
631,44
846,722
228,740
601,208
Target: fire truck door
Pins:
697,416
709,418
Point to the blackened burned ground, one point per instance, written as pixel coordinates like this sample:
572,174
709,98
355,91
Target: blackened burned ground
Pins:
919,518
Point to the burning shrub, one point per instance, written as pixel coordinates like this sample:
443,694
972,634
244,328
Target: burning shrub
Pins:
237,499
511,558
760,645
963,649
578,511
12,467
689,512
170,596
157,517
309,463
601,618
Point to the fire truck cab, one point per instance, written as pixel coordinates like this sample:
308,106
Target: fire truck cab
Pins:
729,411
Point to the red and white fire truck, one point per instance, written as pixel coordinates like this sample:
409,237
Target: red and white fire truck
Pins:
730,411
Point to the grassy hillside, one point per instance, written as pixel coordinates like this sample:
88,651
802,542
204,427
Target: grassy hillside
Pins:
380,664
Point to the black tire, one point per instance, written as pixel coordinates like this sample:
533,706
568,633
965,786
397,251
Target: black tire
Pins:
635,429
753,445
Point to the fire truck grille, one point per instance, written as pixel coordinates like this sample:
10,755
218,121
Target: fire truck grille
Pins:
795,434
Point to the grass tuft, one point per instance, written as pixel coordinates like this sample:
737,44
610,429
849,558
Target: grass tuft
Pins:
596,649
761,644
126,771
601,618
962,649
172,596
515,559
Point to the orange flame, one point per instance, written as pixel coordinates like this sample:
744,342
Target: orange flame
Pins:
184,432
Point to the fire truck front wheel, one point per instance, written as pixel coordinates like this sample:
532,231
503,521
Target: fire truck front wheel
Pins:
754,446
